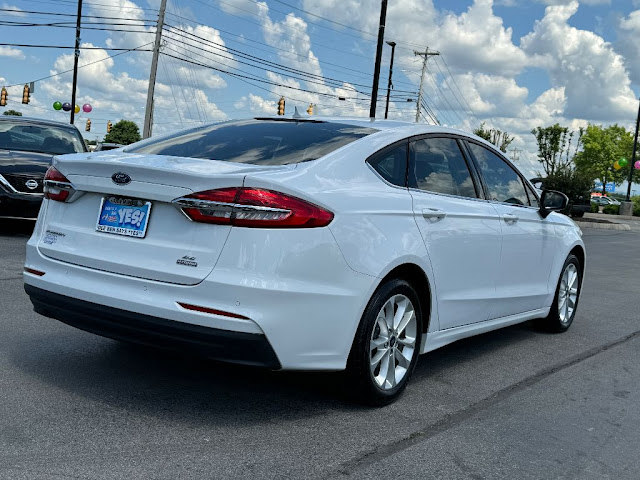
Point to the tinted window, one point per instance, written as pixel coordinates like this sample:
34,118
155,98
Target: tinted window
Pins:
42,138
259,142
437,165
391,164
503,183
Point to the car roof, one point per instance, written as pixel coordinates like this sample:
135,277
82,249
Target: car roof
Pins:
41,121
378,124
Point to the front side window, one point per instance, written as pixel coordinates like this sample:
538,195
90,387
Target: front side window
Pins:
391,164
437,165
533,200
257,141
502,181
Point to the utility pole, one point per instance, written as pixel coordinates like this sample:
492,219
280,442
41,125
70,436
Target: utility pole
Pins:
148,111
515,154
426,55
376,73
75,64
393,49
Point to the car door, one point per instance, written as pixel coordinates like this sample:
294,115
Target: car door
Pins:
460,229
528,240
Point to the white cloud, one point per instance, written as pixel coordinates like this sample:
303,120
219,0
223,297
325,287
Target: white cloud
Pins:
567,2
628,34
597,86
117,95
11,52
17,12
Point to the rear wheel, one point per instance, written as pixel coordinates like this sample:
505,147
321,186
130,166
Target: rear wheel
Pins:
386,346
565,302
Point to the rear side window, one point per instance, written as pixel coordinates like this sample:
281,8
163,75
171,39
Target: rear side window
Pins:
502,181
391,164
258,142
437,165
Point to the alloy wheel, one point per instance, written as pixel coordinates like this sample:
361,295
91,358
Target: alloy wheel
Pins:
568,293
393,342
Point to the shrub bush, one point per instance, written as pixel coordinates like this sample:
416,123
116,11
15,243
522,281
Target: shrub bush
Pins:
636,205
611,209
595,208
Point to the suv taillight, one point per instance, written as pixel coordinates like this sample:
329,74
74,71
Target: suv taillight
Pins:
252,207
56,186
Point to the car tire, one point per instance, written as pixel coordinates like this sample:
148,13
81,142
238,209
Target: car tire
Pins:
565,301
577,214
386,345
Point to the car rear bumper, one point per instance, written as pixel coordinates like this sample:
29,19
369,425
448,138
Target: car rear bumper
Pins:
307,308
229,346
19,205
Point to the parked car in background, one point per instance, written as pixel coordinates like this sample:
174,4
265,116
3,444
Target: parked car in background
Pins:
100,147
27,146
303,244
604,201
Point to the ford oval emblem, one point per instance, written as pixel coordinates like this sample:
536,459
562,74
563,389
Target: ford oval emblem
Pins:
120,178
31,184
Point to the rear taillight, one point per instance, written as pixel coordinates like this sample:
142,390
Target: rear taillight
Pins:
252,207
56,186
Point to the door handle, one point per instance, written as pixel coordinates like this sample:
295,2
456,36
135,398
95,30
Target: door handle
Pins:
509,218
433,214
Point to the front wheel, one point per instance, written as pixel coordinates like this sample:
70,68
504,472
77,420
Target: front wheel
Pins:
385,349
565,302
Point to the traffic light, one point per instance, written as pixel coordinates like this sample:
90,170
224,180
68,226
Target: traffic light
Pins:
25,94
281,106
87,127
109,126
3,97
310,109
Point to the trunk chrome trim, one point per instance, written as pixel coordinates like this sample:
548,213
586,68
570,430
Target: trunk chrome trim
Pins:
184,202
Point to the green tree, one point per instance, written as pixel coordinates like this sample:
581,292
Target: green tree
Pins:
554,147
12,112
602,147
124,132
500,139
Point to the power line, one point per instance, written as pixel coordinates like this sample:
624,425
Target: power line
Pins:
137,49
24,45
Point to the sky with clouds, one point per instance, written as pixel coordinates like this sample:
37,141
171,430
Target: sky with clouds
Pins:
514,64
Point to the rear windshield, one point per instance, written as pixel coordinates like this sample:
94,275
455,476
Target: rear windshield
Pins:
41,138
259,142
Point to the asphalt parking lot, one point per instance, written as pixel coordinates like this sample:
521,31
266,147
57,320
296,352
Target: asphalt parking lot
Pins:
515,403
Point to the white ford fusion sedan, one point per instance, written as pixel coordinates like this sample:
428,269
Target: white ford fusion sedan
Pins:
303,244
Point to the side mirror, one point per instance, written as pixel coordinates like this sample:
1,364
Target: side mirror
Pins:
552,201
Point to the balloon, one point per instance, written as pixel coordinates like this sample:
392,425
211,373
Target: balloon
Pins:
66,106
617,165
77,109
623,162
637,165
86,108
57,105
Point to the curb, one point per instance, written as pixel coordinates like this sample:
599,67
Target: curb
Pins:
604,226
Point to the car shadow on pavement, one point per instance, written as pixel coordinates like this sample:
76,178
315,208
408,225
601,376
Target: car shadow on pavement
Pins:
168,385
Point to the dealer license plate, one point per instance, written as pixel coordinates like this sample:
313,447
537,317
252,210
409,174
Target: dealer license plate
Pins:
124,216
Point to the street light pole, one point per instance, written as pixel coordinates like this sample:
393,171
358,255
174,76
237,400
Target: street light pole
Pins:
633,156
393,49
75,64
376,72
